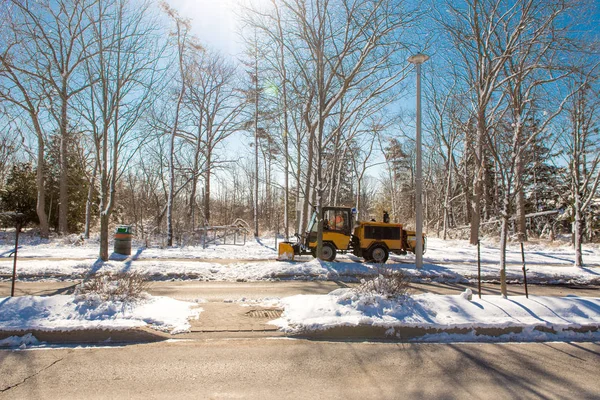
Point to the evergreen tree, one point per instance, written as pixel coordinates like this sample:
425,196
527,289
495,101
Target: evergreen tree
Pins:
77,183
20,192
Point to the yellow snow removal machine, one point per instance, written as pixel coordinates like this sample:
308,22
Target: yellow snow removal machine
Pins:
370,240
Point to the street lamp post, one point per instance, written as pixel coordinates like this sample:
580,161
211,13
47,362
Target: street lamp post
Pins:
417,60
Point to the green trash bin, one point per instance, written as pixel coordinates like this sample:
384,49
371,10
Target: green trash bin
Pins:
123,236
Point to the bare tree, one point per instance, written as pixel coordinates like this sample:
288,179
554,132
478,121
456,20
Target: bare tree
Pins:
181,34
213,100
22,92
122,66
580,142
53,36
484,34
341,49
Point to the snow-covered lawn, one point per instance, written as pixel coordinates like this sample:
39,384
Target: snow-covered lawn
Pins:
446,261
68,313
33,247
537,318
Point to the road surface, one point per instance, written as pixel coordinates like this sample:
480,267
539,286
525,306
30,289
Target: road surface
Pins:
300,369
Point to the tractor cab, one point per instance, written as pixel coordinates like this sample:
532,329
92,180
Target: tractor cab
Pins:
337,222
337,234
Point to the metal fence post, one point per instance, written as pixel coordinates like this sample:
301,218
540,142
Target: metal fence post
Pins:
478,268
14,277
524,270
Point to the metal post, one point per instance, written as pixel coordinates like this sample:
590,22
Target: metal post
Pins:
478,268
418,59
276,233
419,179
14,277
524,270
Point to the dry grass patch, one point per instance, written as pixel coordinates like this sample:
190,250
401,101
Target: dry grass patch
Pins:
120,286
387,283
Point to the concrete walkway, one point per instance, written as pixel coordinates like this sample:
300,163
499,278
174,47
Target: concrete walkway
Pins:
234,318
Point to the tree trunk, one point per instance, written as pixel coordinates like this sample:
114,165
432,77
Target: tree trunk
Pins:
195,174
104,218
319,193
503,239
63,203
171,194
256,151
578,231
307,185
447,198
88,204
40,207
299,204
286,198
520,200
207,187
478,180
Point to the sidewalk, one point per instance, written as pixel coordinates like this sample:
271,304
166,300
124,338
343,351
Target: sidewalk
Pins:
225,317
232,320
219,319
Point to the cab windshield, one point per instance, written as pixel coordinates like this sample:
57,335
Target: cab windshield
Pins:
312,226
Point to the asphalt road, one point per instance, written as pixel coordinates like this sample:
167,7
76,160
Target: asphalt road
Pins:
276,369
219,291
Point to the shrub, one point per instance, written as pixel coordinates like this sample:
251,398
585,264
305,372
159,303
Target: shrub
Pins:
387,283
121,286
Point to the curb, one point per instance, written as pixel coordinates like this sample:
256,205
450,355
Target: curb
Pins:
349,278
96,336
406,333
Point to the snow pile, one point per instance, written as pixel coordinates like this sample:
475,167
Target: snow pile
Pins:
20,341
65,313
345,307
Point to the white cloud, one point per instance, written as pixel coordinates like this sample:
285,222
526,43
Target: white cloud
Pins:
215,22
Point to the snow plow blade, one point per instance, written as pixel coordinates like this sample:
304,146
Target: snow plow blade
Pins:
286,252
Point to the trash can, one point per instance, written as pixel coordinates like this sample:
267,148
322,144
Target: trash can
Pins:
123,237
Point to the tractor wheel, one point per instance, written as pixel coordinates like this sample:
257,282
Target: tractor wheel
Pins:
328,251
378,254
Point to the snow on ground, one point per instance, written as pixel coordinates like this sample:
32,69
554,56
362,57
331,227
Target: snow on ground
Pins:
536,253
344,307
67,313
20,341
68,248
445,261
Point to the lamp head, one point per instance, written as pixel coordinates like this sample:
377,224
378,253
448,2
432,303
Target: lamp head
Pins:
418,58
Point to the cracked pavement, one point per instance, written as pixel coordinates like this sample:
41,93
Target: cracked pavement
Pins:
23,370
302,369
